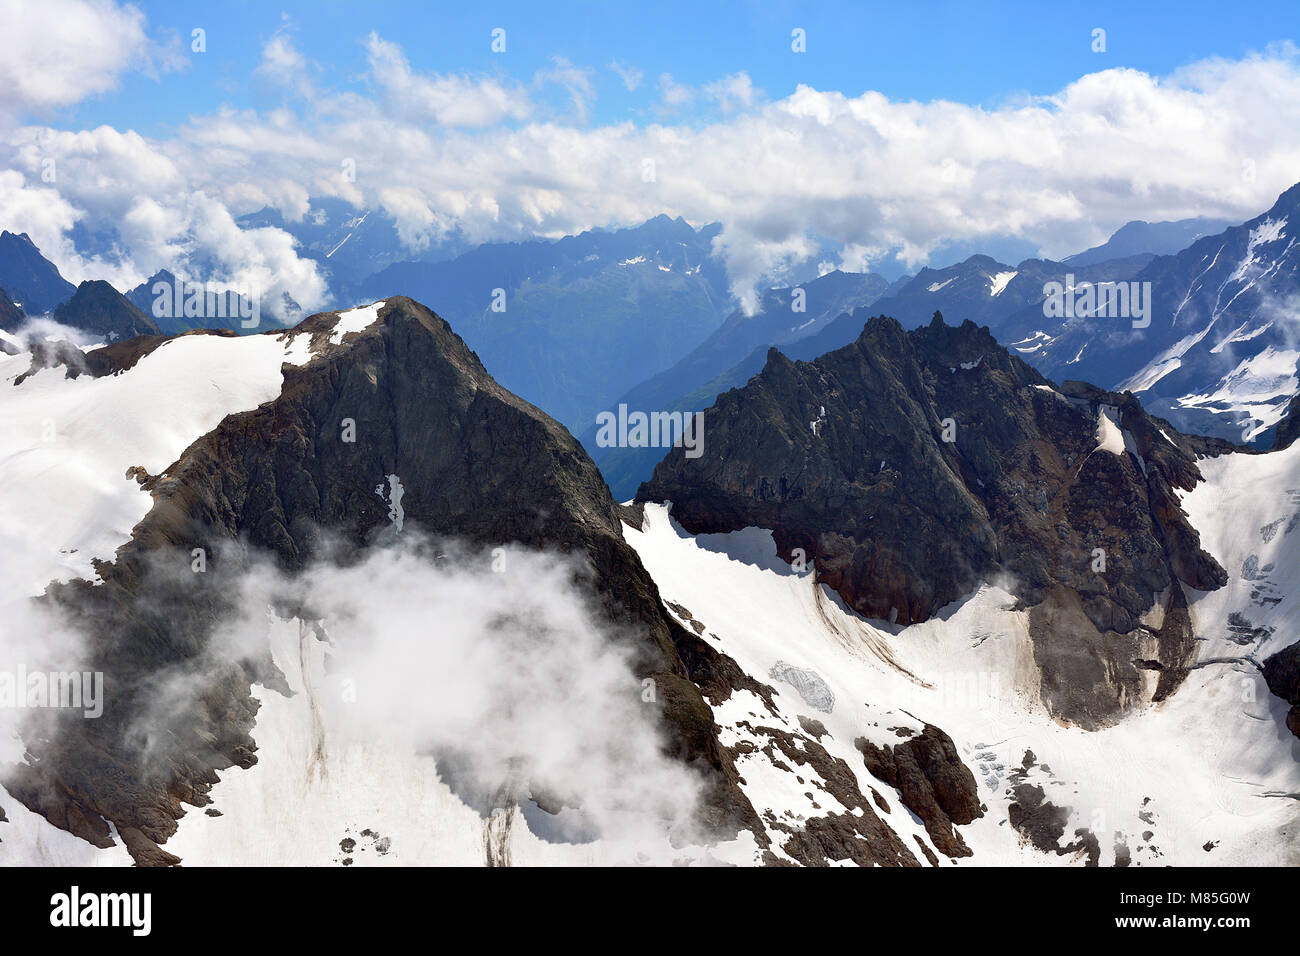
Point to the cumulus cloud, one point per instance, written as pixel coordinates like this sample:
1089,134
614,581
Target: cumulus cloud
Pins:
730,93
814,176
284,65
734,92
107,179
858,257
59,52
41,212
674,95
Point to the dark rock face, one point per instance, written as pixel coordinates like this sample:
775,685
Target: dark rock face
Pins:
29,278
1288,429
844,836
1222,286
1042,823
11,315
145,298
98,308
932,782
476,462
855,833
1282,674
1096,674
912,466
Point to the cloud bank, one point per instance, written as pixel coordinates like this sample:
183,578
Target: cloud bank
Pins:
816,173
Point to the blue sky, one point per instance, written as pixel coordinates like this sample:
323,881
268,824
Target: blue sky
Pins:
983,54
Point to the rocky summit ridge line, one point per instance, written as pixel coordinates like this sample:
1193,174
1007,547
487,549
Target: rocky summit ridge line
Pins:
476,463
911,467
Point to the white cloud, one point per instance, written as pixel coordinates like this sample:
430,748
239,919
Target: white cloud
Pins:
39,211
58,52
576,80
674,95
449,100
417,224
283,64
817,175
630,75
734,92
518,689
160,217
857,257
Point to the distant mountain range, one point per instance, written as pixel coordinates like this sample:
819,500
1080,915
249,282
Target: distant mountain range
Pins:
979,289
727,358
28,278
911,604
575,322
1139,238
348,244
644,316
1219,356
170,313
570,324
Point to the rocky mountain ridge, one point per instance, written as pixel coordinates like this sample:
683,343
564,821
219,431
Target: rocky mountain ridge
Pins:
908,467
476,463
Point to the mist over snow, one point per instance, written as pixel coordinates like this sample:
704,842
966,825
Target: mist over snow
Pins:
505,677
42,328
34,640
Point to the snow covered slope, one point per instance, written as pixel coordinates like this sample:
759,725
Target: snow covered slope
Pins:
322,794
1208,775
1218,357
1212,767
66,443
329,782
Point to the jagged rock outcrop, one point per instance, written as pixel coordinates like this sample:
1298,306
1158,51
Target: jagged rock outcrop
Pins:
1042,824
1282,674
476,462
11,315
932,782
854,833
98,308
1288,429
912,466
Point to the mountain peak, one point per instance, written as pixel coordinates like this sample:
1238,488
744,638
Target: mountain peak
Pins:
29,278
98,308
1139,237
866,456
386,391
